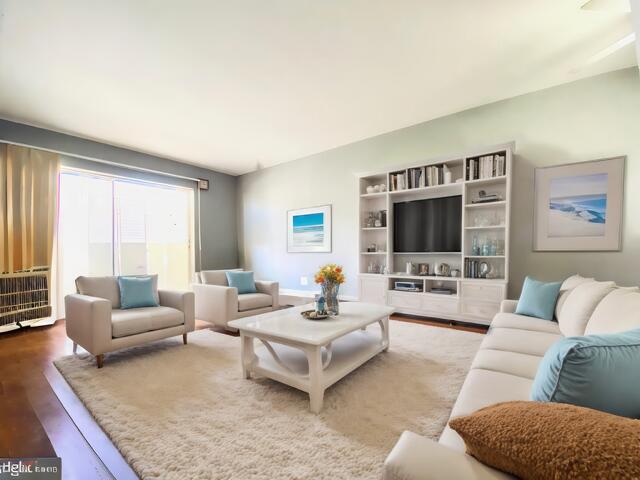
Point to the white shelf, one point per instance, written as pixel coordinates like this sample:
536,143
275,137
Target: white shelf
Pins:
487,181
373,195
488,227
469,301
427,253
421,277
432,188
501,203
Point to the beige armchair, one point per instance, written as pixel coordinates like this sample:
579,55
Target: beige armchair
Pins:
95,321
218,303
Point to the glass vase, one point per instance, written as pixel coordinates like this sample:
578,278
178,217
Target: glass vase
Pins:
330,294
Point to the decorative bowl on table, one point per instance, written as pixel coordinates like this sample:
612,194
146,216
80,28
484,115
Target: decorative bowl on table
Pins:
313,315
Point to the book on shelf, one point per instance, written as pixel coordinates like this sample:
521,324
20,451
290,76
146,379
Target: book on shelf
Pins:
486,166
398,181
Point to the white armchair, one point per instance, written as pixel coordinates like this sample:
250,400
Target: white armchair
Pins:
95,321
218,303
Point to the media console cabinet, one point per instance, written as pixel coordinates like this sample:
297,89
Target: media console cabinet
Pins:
475,293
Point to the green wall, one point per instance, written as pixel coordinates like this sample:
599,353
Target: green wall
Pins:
585,120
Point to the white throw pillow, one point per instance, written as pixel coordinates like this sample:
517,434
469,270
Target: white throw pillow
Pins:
617,312
579,306
569,284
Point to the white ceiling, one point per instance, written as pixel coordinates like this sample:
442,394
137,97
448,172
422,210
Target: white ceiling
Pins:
238,85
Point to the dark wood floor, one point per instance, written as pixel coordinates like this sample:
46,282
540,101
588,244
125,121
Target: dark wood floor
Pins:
33,422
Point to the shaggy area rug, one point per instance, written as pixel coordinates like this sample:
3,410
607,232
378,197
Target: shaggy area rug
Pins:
184,412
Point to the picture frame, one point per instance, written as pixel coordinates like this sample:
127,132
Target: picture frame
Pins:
309,230
578,206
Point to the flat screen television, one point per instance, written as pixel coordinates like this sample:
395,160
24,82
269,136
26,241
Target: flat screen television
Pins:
431,225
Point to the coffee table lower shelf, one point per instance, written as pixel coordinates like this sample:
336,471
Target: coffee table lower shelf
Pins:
312,369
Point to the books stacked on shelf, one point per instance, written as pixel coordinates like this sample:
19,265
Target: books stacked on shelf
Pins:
417,177
398,181
487,166
477,269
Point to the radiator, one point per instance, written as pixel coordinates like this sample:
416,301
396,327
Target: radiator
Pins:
24,298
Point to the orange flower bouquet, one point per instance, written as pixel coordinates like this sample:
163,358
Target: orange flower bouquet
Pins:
330,277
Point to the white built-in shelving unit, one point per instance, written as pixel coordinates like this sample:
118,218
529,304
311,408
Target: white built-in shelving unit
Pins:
472,299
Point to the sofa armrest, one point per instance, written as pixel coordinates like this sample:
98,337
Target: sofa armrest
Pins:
88,322
270,288
508,306
215,303
415,457
183,301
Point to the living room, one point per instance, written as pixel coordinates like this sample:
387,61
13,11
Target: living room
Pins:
332,240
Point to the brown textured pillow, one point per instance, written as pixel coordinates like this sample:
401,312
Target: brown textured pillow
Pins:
535,440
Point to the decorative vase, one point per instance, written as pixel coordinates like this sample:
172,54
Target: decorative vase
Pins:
330,294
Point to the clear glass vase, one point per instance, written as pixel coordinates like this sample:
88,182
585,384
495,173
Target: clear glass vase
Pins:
330,294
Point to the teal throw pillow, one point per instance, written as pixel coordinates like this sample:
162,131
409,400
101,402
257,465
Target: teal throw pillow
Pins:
136,292
538,299
594,371
243,281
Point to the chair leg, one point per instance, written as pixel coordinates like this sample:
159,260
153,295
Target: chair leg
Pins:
184,338
100,360
75,347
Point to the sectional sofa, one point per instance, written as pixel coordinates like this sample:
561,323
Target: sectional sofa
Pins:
504,368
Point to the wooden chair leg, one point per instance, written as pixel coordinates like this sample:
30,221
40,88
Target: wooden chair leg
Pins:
184,338
100,360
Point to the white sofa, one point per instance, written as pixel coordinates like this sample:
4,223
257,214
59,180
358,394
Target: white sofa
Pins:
95,321
218,303
504,368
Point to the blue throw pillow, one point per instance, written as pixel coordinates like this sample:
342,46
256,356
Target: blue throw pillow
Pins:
243,281
596,371
538,299
136,292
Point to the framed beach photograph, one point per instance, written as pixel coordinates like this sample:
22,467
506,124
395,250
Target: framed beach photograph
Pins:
578,207
309,230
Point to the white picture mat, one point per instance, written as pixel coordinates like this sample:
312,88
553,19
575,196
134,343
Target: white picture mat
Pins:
326,245
614,168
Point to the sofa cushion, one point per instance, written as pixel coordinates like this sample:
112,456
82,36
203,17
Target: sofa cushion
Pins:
538,299
101,287
617,312
537,441
145,319
242,281
136,292
522,322
579,306
569,284
519,364
519,341
595,371
251,301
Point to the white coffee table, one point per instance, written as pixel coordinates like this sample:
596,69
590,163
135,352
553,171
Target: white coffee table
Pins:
312,355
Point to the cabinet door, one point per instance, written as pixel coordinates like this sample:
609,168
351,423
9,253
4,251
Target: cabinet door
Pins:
373,290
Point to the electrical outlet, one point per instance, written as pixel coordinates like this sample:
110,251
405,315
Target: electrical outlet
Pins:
304,281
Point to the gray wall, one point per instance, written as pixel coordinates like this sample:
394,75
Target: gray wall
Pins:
217,205
589,119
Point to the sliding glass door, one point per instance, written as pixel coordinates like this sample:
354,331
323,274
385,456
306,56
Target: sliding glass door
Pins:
114,226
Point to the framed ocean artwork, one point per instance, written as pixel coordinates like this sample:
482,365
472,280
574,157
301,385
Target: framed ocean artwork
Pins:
309,230
578,207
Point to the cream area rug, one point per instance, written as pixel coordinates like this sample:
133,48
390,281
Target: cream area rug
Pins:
184,412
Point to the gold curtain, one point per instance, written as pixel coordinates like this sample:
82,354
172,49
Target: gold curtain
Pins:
28,207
